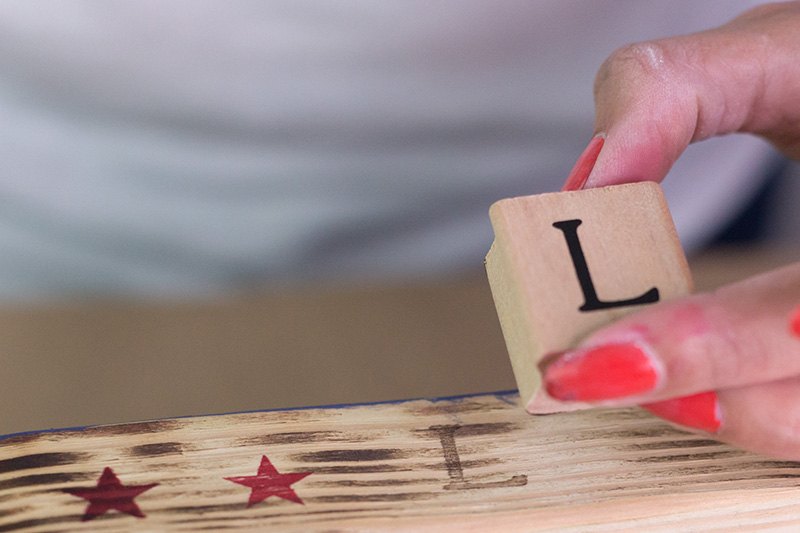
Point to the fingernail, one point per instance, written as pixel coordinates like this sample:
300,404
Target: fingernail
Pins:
583,167
794,322
601,373
699,411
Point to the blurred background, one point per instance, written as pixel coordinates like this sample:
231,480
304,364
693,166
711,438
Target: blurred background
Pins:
221,206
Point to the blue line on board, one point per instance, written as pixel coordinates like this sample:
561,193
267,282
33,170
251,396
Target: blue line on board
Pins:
499,394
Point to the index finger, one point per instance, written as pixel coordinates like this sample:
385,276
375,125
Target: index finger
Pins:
654,98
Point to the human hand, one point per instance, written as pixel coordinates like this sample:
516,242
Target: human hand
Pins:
727,362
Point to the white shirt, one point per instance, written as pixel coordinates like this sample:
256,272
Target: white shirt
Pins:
191,147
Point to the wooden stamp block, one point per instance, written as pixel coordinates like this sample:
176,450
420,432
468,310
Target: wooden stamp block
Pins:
564,264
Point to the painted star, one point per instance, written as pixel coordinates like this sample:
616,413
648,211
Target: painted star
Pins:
109,494
269,482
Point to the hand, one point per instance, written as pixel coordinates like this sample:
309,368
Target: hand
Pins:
726,363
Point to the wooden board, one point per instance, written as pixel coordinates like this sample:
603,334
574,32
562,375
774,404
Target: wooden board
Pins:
477,463
564,264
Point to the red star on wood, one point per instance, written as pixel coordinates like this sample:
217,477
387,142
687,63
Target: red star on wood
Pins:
109,494
269,482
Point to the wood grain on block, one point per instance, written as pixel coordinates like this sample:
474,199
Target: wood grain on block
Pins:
474,463
564,264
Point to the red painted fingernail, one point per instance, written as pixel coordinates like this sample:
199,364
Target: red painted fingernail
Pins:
601,373
794,322
699,411
583,167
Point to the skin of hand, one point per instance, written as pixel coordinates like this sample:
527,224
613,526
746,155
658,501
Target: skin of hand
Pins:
726,363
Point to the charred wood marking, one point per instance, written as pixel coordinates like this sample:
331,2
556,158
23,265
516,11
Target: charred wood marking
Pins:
157,449
369,454
298,437
35,480
136,428
447,437
362,469
364,498
691,457
35,522
40,460
374,483
673,444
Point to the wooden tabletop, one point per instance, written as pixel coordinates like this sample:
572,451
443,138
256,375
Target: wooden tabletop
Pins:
477,464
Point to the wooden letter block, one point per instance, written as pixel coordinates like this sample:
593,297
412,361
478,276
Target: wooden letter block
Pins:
564,264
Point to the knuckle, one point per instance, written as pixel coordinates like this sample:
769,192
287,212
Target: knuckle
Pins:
704,342
721,346
633,61
735,353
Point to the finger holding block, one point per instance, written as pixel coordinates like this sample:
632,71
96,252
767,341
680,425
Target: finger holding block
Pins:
564,264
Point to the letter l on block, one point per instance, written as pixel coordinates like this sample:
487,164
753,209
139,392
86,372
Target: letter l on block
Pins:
564,264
